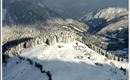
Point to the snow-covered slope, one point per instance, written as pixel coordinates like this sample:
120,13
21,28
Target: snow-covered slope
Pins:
109,19
70,61
21,70
111,13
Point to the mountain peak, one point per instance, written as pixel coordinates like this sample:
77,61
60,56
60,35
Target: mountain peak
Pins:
110,13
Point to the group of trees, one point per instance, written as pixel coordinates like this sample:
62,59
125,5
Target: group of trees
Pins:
107,54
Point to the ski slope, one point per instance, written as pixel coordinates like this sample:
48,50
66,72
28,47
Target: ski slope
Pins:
16,70
65,62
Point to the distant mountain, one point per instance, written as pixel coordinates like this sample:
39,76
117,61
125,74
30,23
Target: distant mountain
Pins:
100,21
111,23
26,11
77,8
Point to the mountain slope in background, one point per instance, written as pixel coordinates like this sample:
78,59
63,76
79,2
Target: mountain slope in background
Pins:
111,23
106,19
26,12
81,7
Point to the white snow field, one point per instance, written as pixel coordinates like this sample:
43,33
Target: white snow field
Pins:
65,62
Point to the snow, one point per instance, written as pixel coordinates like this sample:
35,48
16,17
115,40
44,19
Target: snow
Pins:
69,21
121,40
120,28
41,5
65,27
53,52
68,62
114,35
21,71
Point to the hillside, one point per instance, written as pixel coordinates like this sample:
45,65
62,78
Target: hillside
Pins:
54,54
55,62
40,41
